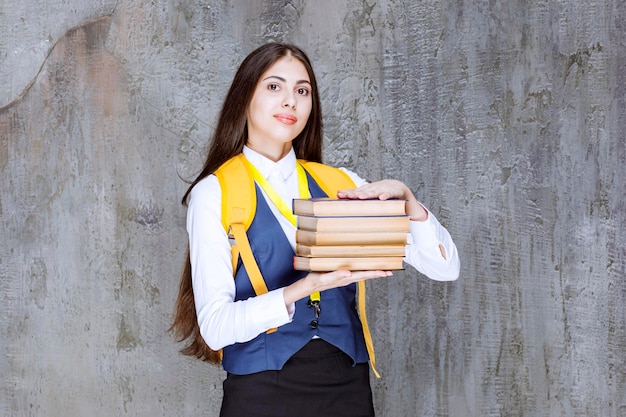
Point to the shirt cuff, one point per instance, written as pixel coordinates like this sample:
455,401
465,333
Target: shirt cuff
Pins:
274,312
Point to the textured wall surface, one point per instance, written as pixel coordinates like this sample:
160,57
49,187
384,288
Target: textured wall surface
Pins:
507,119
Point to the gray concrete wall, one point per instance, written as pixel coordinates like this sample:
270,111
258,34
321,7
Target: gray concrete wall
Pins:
506,118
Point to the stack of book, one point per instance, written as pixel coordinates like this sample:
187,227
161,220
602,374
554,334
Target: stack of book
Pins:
356,235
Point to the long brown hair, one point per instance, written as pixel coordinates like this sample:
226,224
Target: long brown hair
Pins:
228,140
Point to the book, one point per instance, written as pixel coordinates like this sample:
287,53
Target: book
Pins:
354,223
308,237
386,263
348,207
349,250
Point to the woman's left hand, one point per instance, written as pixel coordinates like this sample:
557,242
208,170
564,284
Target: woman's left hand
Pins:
385,190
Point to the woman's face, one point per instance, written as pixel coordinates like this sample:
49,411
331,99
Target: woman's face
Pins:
279,108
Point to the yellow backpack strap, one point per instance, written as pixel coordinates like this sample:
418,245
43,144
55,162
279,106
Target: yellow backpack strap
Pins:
331,180
238,196
238,207
369,343
237,191
237,231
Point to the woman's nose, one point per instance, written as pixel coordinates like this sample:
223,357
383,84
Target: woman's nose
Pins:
289,100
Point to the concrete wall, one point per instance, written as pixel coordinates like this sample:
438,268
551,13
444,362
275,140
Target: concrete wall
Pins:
506,118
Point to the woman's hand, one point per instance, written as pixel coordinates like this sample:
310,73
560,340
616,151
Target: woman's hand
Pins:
385,190
320,281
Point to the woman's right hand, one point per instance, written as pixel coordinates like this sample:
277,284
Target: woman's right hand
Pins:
320,281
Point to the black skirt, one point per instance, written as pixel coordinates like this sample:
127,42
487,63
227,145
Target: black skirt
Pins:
319,380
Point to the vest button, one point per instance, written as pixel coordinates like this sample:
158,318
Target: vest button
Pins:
314,324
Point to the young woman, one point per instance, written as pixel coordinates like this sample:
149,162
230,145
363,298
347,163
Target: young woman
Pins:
272,116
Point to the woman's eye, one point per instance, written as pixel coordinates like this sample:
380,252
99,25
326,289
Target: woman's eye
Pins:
273,87
303,91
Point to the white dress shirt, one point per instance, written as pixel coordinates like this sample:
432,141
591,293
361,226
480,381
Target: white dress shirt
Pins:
224,321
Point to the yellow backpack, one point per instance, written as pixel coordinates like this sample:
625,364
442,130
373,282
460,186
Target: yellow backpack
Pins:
239,206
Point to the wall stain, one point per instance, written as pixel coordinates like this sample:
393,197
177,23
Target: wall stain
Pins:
37,282
149,215
96,30
578,62
126,390
126,339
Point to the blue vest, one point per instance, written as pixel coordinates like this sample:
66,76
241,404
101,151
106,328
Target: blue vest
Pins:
338,324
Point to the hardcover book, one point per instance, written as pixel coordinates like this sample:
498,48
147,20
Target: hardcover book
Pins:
348,207
356,235
307,237
315,251
388,263
354,223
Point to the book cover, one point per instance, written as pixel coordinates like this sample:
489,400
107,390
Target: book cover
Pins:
350,251
347,207
354,223
387,263
307,237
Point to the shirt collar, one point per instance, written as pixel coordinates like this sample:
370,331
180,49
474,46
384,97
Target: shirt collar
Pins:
285,166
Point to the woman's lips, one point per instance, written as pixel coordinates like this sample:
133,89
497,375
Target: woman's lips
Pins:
286,118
